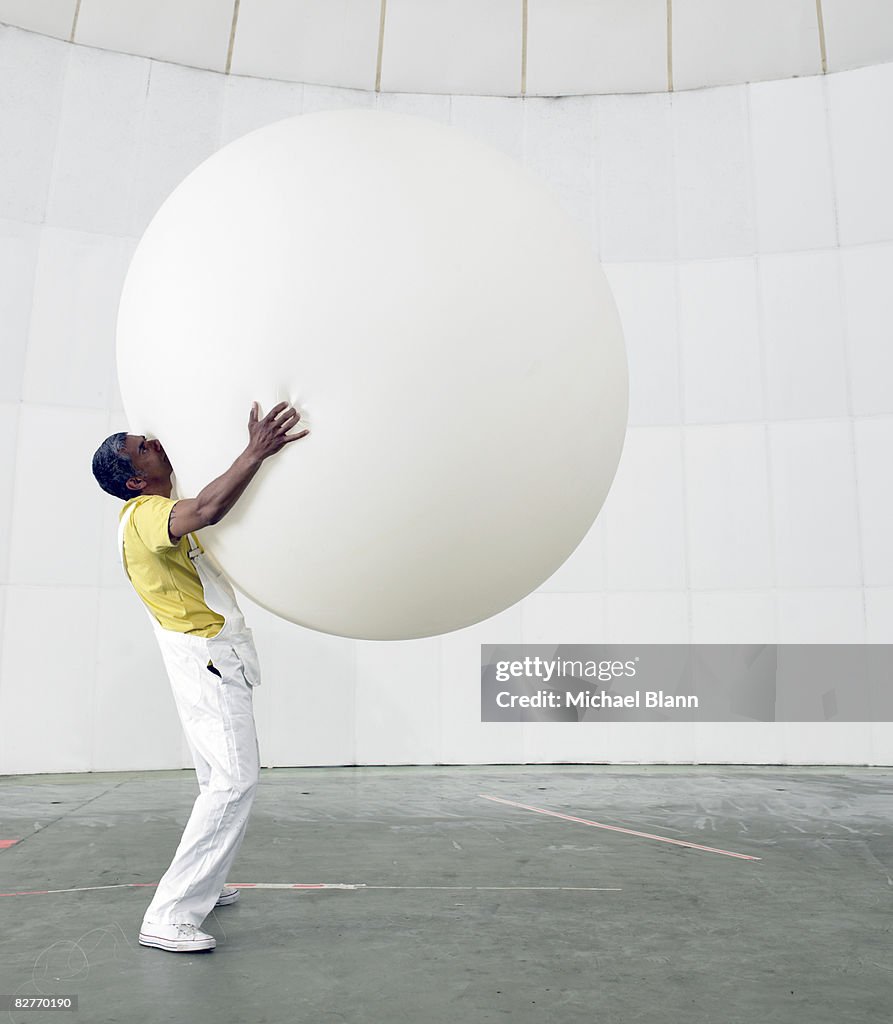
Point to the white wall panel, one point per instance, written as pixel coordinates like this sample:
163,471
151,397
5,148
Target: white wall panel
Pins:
19,243
827,742
563,619
9,420
560,148
637,210
868,305
96,157
576,742
720,342
880,735
814,504
738,743
32,77
323,97
195,33
47,667
649,742
596,46
434,108
50,17
793,186
834,616
857,32
727,501
182,125
495,120
802,326
647,618
861,109
117,403
334,43
52,474
71,343
714,207
460,47
397,696
251,103
874,471
733,617
716,42
643,515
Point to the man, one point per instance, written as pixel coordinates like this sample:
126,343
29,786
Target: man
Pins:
209,655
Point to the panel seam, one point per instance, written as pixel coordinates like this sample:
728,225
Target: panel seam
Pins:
232,37
822,48
378,59
74,21
524,47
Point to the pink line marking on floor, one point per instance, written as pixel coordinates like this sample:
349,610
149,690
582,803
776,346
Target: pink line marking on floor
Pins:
6,843
297,885
615,828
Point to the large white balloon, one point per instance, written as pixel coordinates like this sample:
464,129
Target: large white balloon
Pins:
446,332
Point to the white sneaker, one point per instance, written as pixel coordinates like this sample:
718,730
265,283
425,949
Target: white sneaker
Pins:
227,895
178,938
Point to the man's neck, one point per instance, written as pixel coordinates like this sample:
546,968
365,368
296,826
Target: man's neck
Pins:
163,493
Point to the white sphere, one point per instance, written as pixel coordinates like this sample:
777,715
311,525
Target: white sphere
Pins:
444,329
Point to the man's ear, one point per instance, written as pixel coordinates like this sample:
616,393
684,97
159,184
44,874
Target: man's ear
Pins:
135,483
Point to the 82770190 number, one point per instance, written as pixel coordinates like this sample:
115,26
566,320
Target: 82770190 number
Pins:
38,1002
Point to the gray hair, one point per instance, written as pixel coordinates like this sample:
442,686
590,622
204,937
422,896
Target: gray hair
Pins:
112,467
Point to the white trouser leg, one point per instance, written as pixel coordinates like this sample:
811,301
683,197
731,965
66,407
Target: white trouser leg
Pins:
220,729
202,768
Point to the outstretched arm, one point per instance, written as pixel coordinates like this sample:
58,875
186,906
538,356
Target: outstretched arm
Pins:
266,437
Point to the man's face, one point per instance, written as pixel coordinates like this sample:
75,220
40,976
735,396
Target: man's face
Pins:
149,460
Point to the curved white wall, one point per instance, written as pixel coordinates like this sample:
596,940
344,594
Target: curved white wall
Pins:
748,234
497,48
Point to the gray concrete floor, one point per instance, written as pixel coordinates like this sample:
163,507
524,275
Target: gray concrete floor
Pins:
460,914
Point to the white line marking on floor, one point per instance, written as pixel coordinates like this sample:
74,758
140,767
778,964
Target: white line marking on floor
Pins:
331,885
615,828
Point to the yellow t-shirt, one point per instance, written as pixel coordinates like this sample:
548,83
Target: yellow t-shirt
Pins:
161,571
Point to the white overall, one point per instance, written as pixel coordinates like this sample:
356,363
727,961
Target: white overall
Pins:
217,715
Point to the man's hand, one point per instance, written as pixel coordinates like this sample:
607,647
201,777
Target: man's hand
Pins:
267,436
270,434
